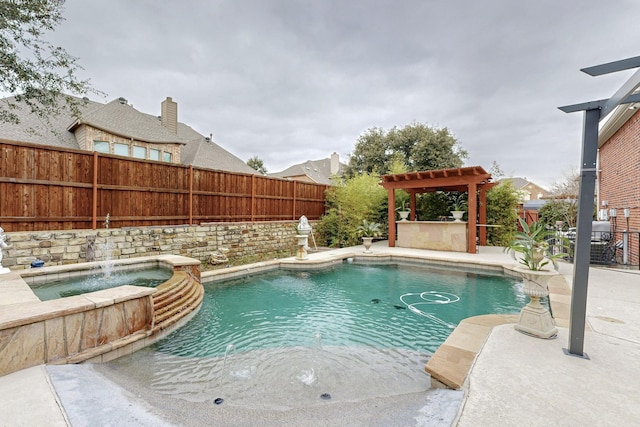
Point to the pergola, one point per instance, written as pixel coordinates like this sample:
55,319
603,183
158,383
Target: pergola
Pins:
471,179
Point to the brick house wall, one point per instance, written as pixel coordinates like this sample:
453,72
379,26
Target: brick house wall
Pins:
620,172
86,135
619,182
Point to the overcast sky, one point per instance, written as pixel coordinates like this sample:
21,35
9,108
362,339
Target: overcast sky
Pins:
290,81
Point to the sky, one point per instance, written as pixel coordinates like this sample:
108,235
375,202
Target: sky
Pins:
290,81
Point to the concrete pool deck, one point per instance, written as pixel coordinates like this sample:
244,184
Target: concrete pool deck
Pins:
514,380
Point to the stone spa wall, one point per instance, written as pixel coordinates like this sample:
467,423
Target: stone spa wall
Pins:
246,242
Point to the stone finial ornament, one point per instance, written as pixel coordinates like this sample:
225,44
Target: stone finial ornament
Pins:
304,228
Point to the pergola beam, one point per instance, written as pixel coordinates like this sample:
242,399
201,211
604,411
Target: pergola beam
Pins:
612,67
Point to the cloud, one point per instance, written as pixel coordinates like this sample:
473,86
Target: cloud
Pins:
290,81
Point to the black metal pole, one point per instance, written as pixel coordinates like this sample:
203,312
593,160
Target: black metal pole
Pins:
588,172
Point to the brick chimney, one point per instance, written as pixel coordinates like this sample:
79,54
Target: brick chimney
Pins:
335,163
169,114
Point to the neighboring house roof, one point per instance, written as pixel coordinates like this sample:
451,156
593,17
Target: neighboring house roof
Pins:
318,171
533,204
202,152
119,118
517,182
527,187
52,132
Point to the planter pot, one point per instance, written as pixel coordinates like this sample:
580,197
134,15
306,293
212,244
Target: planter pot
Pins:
535,320
367,241
404,215
457,215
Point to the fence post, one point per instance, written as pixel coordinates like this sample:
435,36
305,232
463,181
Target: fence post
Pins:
253,198
95,191
190,195
295,187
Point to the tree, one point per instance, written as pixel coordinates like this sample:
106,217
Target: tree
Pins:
568,187
559,210
564,206
501,211
418,146
348,204
256,163
37,73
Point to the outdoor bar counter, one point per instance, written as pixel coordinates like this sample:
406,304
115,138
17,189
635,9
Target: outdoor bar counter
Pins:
436,235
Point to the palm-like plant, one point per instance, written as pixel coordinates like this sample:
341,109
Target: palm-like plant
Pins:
533,245
459,202
369,229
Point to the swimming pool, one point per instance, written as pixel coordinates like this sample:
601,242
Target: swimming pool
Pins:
282,339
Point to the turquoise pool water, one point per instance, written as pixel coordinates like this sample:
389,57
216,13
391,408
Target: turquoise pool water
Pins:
149,277
385,306
284,339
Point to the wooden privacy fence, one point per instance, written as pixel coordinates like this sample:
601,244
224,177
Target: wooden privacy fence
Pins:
52,188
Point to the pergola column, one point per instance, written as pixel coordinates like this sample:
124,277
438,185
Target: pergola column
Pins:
472,222
391,212
483,216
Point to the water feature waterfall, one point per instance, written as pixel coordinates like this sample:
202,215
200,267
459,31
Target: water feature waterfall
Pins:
107,251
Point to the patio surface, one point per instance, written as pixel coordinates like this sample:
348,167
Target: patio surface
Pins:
515,380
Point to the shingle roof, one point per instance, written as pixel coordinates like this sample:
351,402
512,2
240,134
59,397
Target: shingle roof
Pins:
119,118
318,171
35,130
517,182
201,152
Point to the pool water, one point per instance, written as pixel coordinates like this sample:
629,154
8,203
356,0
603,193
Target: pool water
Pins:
278,339
385,306
148,277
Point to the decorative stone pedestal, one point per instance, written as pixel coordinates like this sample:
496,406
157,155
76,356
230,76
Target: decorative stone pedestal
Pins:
302,247
367,242
535,320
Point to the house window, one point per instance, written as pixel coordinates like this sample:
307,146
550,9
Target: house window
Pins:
166,157
139,152
121,149
101,146
154,154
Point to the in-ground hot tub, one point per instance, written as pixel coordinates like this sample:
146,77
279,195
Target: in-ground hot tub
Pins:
95,326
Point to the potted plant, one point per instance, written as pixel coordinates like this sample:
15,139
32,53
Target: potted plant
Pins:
531,249
402,205
368,230
404,212
532,245
458,207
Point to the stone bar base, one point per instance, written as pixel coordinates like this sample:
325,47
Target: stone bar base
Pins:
435,235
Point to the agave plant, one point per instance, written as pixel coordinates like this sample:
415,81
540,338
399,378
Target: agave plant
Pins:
369,229
459,202
532,243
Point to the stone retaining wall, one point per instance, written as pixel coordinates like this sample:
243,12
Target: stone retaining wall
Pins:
246,242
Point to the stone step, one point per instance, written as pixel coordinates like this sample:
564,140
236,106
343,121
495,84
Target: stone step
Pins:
166,288
188,304
167,299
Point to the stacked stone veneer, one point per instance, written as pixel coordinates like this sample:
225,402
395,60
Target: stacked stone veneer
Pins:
243,240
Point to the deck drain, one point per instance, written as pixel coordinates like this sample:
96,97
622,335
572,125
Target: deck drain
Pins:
325,396
218,400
